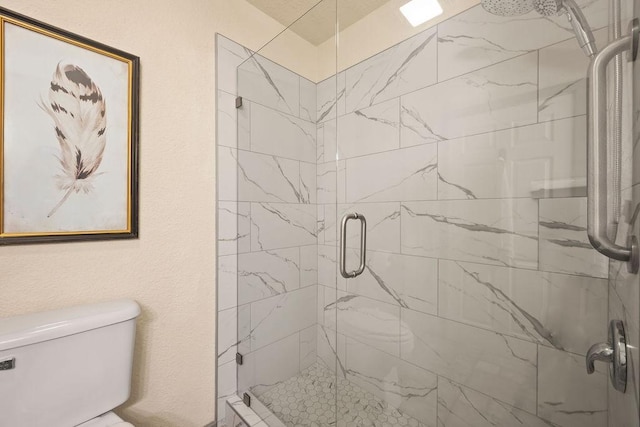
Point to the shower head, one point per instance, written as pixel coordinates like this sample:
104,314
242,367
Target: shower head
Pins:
548,8
508,7
576,19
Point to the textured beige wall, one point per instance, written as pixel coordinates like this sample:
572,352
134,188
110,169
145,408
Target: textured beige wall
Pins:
170,269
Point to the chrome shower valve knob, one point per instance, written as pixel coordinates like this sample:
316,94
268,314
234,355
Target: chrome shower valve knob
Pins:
613,352
602,352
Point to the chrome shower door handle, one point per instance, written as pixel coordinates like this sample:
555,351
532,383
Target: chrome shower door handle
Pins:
597,151
343,245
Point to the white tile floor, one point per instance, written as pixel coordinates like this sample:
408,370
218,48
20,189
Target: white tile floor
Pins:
309,399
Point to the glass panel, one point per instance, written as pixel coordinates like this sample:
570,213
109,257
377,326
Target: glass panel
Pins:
462,142
288,357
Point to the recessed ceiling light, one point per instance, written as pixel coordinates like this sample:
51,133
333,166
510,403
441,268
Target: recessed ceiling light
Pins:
420,11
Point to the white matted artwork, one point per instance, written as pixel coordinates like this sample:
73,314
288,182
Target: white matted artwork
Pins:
69,136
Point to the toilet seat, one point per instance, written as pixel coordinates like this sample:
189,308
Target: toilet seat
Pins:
107,420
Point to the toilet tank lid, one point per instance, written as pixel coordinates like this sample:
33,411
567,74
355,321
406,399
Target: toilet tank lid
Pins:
33,328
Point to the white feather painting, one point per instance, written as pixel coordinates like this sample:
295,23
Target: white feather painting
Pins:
66,137
79,113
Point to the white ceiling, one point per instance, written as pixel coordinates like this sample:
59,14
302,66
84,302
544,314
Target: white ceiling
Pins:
318,25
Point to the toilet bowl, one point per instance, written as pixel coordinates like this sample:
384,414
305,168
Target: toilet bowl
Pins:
107,420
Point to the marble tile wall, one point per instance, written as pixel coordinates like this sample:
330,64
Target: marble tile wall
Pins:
267,217
464,148
466,153
624,294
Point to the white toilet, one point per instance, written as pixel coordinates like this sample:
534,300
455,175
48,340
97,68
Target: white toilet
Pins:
68,367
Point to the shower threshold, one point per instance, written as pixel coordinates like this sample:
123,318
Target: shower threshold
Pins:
309,399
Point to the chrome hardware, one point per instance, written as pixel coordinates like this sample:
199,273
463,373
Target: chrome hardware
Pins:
634,30
343,245
238,101
7,364
239,359
613,352
597,152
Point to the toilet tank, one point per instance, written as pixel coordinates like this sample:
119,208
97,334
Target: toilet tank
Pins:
63,367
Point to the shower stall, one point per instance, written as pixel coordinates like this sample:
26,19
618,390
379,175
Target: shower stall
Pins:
404,222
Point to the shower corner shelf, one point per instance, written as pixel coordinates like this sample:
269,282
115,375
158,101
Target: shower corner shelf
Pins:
559,188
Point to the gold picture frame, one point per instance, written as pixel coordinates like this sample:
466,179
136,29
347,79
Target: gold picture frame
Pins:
69,137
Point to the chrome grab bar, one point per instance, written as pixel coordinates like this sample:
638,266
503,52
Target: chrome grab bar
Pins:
343,245
597,151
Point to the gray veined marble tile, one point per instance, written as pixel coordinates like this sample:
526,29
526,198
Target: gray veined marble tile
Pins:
277,317
308,265
497,365
475,38
405,174
497,232
308,346
326,182
327,258
403,280
227,167
271,364
330,141
233,228
563,73
459,406
383,226
498,97
331,98
331,188
227,335
227,121
282,135
226,384
564,244
410,389
227,282
265,178
232,419
331,349
567,396
229,56
371,322
329,218
267,273
369,130
281,225
243,329
308,176
403,68
527,304
307,100
528,161
319,143
265,82
243,116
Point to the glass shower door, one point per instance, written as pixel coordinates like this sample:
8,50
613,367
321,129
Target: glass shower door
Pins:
286,363
463,145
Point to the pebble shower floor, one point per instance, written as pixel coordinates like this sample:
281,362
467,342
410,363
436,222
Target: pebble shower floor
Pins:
356,407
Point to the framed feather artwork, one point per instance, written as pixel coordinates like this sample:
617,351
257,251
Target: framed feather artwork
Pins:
68,136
